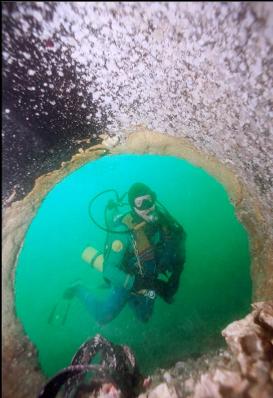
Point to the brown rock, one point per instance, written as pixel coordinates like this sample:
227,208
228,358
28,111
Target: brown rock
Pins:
260,371
261,391
207,388
189,385
264,315
230,382
245,331
222,384
250,340
162,391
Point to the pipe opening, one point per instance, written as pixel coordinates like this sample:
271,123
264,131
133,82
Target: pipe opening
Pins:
215,286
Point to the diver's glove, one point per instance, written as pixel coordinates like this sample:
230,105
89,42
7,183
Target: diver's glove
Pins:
143,282
162,289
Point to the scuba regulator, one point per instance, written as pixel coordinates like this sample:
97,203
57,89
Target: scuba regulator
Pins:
113,214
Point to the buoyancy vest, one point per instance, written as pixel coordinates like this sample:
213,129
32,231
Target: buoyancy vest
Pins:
144,249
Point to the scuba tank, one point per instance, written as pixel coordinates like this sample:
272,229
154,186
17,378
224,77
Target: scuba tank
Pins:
112,215
93,257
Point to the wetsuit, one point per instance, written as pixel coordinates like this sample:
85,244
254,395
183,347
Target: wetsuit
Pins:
141,256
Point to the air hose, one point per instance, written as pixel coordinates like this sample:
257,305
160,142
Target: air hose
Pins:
111,204
118,203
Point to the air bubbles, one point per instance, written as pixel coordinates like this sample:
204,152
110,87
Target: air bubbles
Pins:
26,55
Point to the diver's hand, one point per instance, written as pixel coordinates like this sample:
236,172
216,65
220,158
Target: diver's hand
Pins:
162,289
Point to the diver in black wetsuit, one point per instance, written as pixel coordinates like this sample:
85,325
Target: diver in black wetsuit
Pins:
134,261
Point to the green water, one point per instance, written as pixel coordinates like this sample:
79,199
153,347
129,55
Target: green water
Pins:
215,286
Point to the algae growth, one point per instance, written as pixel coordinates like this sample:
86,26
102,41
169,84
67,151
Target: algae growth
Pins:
215,286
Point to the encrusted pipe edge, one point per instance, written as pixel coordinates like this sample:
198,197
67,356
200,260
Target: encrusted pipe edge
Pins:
21,373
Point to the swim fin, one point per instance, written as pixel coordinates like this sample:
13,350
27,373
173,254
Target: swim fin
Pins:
59,313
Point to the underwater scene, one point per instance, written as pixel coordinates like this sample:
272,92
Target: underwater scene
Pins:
215,285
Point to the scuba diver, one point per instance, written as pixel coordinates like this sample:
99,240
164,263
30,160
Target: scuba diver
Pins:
143,258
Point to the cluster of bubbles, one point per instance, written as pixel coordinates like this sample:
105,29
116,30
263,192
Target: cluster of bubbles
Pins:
73,70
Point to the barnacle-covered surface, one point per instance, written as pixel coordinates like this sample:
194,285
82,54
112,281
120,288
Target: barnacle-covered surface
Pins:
73,70
76,73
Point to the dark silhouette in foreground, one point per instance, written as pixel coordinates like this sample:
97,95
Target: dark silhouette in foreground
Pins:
117,369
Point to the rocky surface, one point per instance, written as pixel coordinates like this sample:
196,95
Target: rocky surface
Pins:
244,370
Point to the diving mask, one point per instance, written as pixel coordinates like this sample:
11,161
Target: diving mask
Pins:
145,208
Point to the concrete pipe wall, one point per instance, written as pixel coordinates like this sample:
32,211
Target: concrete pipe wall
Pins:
187,79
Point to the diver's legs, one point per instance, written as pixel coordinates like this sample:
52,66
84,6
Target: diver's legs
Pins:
142,307
103,311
